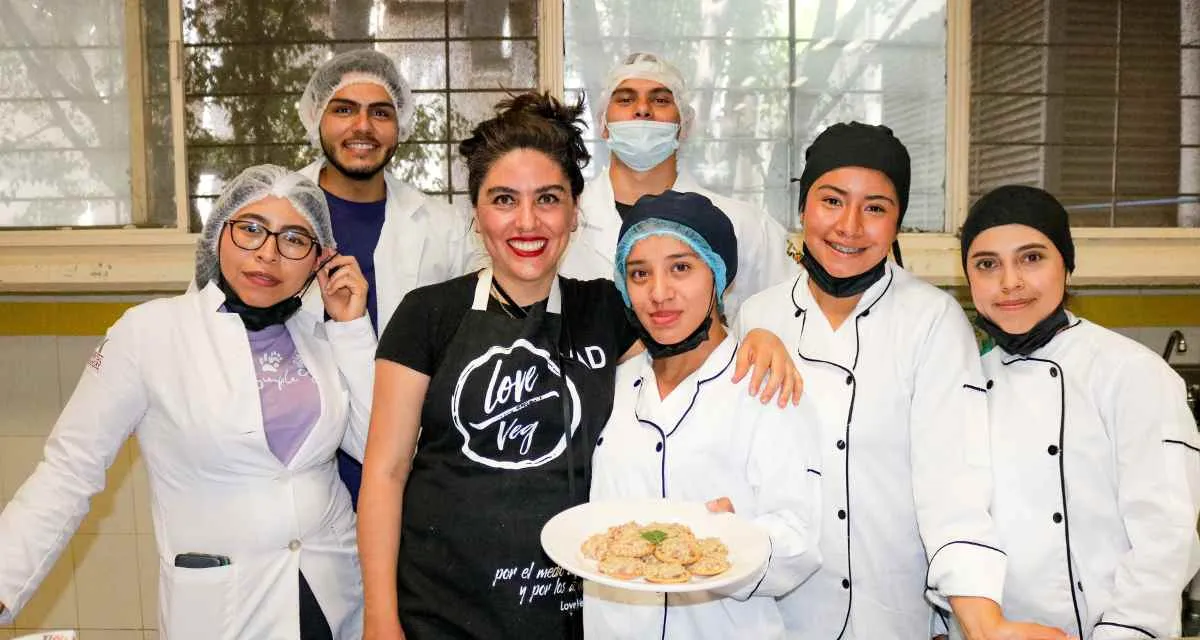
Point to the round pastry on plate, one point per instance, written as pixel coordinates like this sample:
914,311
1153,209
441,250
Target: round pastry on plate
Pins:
671,529
709,566
630,547
712,546
681,550
667,573
595,547
622,568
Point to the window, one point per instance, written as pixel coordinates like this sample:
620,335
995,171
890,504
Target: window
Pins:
1097,101
86,135
766,76
248,61
134,112
69,90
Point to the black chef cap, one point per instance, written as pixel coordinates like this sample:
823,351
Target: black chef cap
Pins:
1019,204
855,144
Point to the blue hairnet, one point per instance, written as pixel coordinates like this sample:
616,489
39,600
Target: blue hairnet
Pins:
685,234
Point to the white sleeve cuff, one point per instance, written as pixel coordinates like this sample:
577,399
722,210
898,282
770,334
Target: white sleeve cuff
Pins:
1116,631
356,330
966,568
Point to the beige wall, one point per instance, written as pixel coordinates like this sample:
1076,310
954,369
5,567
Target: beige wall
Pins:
105,582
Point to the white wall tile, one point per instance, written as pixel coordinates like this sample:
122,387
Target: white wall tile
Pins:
73,354
106,581
110,634
19,456
53,605
148,568
112,510
29,384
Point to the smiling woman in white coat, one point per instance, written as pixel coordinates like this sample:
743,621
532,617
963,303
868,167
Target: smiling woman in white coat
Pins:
1094,452
681,429
892,365
239,399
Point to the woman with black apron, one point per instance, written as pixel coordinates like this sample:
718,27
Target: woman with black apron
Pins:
470,378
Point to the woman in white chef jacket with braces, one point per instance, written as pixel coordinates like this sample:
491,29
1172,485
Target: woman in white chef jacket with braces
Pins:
892,366
239,399
680,429
1094,452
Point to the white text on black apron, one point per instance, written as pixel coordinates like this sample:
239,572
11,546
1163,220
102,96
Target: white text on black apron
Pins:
507,407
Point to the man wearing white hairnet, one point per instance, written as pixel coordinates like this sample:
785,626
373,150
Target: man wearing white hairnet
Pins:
357,109
646,113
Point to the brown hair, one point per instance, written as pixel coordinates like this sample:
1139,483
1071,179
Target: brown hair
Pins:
528,121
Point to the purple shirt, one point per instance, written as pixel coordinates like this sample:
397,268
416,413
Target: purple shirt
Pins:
291,401
356,227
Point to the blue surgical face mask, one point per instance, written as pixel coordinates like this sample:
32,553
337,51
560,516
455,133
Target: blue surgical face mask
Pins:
643,144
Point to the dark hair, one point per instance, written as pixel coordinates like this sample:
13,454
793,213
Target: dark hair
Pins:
535,121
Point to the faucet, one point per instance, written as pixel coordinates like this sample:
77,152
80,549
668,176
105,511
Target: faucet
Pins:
1176,343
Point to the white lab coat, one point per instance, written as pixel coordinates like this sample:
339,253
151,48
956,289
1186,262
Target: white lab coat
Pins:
1097,478
712,439
179,375
904,450
762,242
422,242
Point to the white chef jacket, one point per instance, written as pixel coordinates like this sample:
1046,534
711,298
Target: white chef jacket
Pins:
423,241
707,439
178,373
904,453
1097,479
762,242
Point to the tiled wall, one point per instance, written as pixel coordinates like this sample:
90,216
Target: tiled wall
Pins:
105,582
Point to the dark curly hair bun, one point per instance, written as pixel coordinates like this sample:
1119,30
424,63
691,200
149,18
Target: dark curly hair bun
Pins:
535,121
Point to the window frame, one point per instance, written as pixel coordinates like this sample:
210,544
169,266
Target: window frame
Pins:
161,260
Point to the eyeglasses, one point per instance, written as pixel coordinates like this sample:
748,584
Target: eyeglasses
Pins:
291,243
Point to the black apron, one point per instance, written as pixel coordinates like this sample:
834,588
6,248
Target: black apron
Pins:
492,466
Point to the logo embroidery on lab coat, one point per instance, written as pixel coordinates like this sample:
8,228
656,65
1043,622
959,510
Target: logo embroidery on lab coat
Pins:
97,358
505,403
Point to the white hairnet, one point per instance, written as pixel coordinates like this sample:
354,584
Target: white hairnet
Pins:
354,67
648,66
252,185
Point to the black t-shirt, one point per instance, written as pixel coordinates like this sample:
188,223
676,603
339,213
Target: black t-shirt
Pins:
504,445
427,318
623,209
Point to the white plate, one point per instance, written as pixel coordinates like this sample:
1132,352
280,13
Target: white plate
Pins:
563,536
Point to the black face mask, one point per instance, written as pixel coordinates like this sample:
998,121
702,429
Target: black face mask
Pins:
658,350
840,287
259,318
1026,343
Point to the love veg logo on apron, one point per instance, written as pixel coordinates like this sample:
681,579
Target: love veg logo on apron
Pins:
507,407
